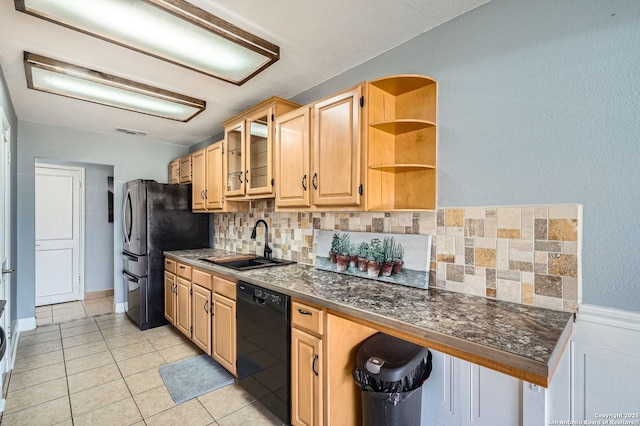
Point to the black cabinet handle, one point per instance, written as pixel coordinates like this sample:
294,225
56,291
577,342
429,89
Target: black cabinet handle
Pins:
240,177
246,176
206,306
304,182
304,312
313,365
314,180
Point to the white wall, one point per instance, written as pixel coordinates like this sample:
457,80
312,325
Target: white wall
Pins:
131,158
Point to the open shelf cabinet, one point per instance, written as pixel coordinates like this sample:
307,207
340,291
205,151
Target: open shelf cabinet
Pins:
401,153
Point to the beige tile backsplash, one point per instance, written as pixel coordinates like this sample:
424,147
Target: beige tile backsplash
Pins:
522,254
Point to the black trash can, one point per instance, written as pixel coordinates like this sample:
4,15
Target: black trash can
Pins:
390,373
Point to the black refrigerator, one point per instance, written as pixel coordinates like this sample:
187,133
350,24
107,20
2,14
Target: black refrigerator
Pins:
155,217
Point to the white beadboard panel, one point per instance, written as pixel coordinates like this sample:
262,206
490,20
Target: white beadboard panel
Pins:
606,362
438,393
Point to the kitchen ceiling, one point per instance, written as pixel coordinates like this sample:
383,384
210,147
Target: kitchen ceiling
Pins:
317,40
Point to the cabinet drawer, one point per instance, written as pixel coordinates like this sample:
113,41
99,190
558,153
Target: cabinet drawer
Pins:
183,271
201,278
170,265
224,287
307,318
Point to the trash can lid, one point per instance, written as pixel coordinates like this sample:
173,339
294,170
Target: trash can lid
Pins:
388,358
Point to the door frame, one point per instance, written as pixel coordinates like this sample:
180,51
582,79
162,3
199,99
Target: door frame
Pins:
5,168
41,163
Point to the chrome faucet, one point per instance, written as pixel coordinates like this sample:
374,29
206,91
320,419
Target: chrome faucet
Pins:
267,249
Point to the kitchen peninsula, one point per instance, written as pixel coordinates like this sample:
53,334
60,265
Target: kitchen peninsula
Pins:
521,341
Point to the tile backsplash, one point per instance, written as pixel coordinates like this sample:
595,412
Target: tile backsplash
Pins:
522,254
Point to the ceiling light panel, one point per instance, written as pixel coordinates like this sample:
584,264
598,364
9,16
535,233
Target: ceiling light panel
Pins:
173,30
61,78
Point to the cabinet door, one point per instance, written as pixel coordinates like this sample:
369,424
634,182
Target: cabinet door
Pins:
336,149
174,171
183,305
201,310
213,187
199,180
224,332
258,172
292,177
306,379
185,169
234,160
169,297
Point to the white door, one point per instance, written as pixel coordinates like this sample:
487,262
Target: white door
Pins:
5,238
58,234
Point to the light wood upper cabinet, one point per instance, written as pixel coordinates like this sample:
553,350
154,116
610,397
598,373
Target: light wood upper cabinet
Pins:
174,171
319,154
198,184
337,149
293,160
207,180
248,150
185,169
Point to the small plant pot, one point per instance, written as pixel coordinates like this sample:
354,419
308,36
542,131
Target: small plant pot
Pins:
397,266
342,263
386,269
353,261
373,269
332,257
362,264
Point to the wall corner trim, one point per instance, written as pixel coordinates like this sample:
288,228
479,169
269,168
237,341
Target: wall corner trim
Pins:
609,316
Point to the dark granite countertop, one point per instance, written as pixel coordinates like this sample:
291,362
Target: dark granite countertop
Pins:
523,341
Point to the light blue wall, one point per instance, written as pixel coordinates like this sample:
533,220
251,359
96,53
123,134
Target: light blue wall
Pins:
7,107
130,157
538,102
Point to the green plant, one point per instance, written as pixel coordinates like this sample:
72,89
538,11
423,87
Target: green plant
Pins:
398,252
375,252
363,250
388,247
344,244
335,243
353,250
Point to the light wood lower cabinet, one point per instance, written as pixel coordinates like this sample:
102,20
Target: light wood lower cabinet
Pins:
201,310
183,306
224,332
169,297
307,364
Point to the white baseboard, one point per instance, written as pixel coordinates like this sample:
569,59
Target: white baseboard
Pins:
120,307
26,324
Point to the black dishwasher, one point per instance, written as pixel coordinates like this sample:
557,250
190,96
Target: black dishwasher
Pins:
264,341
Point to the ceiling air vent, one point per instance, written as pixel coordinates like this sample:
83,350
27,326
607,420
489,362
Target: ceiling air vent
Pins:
131,132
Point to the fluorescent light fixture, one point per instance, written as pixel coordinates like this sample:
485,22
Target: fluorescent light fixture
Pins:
172,30
61,78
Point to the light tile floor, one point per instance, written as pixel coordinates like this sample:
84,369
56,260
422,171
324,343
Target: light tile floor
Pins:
62,312
102,370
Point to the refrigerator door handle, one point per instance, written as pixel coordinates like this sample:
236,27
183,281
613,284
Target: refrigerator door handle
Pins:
130,257
127,232
130,277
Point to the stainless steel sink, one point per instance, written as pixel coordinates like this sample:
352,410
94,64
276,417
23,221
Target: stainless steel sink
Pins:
246,263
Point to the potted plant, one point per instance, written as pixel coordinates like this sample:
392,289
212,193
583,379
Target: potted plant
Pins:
388,247
353,255
333,251
375,254
363,253
398,255
342,254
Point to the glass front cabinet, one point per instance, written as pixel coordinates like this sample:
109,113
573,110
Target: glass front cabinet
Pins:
248,153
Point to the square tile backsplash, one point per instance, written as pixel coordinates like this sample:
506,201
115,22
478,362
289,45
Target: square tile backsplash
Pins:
522,254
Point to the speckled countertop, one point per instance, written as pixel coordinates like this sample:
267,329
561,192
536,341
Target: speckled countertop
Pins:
520,340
